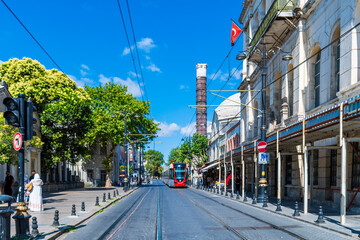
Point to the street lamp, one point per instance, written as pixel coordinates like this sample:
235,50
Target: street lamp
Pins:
264,54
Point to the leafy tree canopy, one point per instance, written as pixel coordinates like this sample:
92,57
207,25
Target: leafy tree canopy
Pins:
154,161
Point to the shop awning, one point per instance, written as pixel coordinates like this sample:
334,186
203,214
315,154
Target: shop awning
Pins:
209,166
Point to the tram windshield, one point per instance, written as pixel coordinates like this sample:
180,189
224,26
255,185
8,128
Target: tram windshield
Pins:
179,171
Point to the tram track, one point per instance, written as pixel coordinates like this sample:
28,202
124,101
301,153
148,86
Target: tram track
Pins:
108,234
226,226
249,215
158,218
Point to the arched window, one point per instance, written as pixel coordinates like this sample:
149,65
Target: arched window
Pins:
335,63
256,119
317,80
290,84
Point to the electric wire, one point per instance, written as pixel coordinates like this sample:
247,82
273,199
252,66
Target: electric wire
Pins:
128,41
137,52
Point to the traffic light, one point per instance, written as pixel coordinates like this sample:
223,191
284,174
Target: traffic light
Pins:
12,111
30,120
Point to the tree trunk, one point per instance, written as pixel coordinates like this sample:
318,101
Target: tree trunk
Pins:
108,183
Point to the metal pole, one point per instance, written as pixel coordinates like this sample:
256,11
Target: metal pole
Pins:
263,181
232,174
125,150
219,174
242,172
278,154
343,170
225,171
306,190
191,175
140,180
255,173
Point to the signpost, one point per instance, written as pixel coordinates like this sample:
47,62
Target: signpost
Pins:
17,142
262,146
263,158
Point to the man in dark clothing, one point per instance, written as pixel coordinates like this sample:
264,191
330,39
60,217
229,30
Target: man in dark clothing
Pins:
9,182
33,172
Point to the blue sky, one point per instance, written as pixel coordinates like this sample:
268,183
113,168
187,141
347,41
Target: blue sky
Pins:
87,40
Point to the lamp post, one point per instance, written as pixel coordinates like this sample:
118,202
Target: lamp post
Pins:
262,196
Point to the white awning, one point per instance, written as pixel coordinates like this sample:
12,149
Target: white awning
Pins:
210,166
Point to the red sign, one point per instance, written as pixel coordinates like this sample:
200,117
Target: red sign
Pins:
262,146
17,142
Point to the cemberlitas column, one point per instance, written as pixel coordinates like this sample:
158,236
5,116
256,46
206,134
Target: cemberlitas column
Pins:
201,114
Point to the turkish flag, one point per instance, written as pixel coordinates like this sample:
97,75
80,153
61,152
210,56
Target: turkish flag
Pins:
235,32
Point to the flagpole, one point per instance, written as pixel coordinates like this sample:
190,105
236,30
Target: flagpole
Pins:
240,28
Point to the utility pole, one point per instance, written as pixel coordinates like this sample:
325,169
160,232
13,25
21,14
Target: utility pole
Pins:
126,154
191,175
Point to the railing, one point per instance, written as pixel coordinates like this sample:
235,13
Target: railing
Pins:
278,5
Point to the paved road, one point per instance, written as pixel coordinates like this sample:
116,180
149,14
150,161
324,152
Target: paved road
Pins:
158,212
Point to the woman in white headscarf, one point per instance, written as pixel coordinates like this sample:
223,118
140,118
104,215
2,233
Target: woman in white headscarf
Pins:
36,199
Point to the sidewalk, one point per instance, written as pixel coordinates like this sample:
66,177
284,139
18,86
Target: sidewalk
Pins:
331,216
63,201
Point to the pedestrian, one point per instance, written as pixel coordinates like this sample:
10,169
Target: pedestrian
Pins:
27,192
36,199
33,172
237,183
8,184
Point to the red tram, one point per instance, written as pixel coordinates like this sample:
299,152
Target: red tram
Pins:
175,175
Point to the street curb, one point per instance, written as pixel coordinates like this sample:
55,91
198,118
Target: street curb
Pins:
282,214
61,232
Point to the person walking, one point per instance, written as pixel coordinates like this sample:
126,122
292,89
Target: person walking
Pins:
33,172
36,199
8,184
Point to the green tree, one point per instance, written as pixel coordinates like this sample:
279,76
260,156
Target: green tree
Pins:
109,103
199,145
154,161
62,108
175,155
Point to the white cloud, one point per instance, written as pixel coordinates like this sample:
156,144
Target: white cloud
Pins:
145,44
167,130
147,57
132,87
82,81
83,73
214,76
182,87
85,67
235,74
132,74
104,79
153,68
1,62
189,129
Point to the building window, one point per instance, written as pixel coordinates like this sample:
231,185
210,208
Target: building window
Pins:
316,167
288,168
337,73
355,180
103,176
333,167
317,80
290,76
335,63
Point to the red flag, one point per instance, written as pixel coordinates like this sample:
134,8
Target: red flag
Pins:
235,32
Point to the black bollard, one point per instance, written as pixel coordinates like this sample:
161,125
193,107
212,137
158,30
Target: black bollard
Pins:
104,197
226,194
265,202
321,216
254,200
245,199
73,210
296,212
217,191
114,194
83,206
109,196
34,226
56,219
237,195
231,195
97,201
117,192
222,192
278,206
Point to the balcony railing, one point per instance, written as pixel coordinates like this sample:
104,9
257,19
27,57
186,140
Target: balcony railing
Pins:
277,6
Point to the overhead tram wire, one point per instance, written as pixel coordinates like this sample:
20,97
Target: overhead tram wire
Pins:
132,56
136,48
37,42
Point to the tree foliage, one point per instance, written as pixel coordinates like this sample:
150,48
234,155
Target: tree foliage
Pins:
62,107
154,159
175,155
110,106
